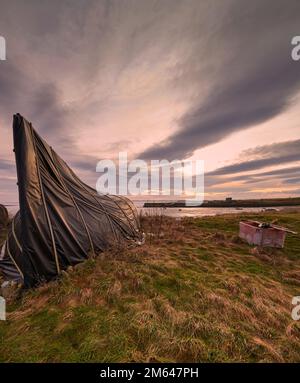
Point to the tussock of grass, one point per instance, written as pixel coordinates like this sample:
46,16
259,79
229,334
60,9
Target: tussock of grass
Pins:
194,292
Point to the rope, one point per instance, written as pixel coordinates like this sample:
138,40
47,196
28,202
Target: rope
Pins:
12,258
75,204
44,204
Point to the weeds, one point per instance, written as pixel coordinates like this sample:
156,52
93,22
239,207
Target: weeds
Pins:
193,292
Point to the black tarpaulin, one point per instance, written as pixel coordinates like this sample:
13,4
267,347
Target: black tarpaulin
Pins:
61,220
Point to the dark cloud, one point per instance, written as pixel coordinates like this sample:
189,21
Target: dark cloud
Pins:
249,179
253,178
42,52
279,149
255,164
84,163
38,102
7,165
280,176
292,181
15,90
242,173
228,62
294,170
280,153
254,81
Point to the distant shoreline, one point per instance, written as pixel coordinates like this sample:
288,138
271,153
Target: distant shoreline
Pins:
272,202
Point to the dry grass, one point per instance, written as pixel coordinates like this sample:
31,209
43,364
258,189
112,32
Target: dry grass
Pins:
194,292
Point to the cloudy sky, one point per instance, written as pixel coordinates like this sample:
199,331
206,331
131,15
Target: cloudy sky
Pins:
210,80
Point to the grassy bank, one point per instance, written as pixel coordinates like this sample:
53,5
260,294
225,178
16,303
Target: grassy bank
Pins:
194,292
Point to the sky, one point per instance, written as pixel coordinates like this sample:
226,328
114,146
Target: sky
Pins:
212,80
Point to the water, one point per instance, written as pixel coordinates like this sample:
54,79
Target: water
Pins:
200,211
197,211
179,212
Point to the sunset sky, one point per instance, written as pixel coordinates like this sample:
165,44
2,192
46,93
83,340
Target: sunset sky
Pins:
209,80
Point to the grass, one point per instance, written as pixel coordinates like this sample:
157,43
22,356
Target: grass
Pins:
193,293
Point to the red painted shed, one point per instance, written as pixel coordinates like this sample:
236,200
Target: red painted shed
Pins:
261,234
